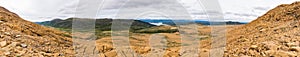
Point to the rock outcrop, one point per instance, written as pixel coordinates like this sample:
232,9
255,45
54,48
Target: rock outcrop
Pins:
19,37
275,34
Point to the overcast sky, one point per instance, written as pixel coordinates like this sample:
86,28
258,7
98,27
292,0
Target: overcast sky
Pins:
44,10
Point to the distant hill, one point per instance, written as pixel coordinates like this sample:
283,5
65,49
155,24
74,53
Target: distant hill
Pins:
184,22
100,24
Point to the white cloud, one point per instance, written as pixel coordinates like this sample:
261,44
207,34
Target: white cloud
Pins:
34,10
234,10
254,8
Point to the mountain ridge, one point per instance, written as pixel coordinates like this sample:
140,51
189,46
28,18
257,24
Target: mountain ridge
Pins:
100,24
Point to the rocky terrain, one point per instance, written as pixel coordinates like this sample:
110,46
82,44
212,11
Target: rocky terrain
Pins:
275,34
140,43
19,37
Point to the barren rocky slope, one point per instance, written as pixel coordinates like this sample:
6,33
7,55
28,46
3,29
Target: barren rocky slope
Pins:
275,34
140,43
19,37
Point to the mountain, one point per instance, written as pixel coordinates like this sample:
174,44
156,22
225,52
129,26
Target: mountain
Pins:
275,34
101,24
19,37
167,22
184,22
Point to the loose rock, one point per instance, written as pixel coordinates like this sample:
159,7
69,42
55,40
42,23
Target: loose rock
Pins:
291,44
297,49
1,36
18,36
1,22
3,43
24,45
13,44
262,30
7,53
102,55
253,47
110,54
6,33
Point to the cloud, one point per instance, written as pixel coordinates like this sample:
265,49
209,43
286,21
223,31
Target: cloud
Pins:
140,7
241,14
206,12
261,8
249,10
116,4
33,10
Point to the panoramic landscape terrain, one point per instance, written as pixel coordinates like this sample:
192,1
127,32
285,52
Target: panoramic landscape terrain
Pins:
274,34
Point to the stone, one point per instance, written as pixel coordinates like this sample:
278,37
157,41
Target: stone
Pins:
292,54
297,49
253,46
147,49
13,44
177,33
6,48
102,55
40,55
6,53
292,44
245,56
69,51
1,22
263,54
282,54
24,45
2,51
206,50
2,30
172,54
271,45
110,54
262,30
1,36
61,54
270,52
174,28
6,33
47,54
252,52
18,36
21,52
3,43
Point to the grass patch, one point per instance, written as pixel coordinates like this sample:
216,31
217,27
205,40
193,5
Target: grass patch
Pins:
159,29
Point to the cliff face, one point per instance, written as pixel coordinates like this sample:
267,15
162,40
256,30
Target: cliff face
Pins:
276,33
19,37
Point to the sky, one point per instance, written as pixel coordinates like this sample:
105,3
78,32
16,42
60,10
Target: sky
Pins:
45,10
